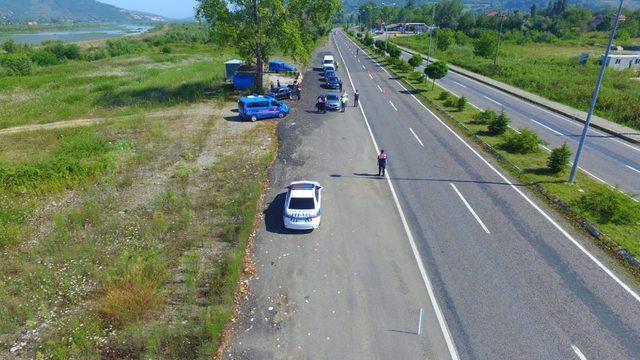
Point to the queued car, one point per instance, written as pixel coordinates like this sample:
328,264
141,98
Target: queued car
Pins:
257,107
329,73
281,93
302,206
334,82
333,101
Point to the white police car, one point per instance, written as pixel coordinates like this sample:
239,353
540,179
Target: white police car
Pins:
302,209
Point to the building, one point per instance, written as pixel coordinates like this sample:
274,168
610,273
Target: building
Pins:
622,60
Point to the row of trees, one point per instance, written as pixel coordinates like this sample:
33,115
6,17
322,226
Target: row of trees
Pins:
258,28
558,19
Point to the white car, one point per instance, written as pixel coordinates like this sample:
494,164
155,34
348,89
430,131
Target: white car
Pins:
302,209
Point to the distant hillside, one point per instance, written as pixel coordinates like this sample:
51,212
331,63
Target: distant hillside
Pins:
69,11
506,4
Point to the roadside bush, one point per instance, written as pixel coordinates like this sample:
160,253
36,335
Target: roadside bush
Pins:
559,159
609,205
461,103
525,142
450,102
486,45
166,50
415,61
119,47
498,126
403,66
64,51
19,65
359,35
367,40
381,45
96,54
444,95
45,58
393,51
9,46
484,117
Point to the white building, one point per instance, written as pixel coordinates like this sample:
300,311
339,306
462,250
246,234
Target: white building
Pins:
623,60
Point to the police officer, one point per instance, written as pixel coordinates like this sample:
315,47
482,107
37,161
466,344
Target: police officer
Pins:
382,162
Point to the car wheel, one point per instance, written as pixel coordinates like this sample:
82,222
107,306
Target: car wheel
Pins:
254,118
281,115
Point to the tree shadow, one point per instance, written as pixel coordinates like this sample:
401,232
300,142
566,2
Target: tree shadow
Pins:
543,171
273,217
412,92
164,96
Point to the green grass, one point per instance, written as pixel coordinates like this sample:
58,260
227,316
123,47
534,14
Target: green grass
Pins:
124,85
533,165
552,71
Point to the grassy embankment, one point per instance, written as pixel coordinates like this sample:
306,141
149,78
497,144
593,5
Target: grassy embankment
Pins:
534,168
543,69
125,239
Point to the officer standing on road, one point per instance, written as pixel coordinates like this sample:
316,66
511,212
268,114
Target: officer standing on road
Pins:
298,91
382,162
356,97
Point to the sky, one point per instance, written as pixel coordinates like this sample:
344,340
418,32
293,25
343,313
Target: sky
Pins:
175,9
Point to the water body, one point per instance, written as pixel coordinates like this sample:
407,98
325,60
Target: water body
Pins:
80,34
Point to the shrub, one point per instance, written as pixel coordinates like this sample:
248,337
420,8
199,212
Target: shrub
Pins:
19,65
559,158
118,47
368,39
166,49
499,125
415,61
359,35
450,102
444,38
381,45
72,52
486,45
403,66
444,95
461,103
525,142
484,117
45,58
394,51
96,54
9,46
609,205
62,51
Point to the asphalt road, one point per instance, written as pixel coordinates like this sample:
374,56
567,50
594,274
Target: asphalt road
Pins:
606,158
512,282
351,289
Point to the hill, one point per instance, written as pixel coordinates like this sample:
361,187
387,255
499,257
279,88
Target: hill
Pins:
505,4
64,11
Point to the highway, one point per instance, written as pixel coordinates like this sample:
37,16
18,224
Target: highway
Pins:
513,282
605,158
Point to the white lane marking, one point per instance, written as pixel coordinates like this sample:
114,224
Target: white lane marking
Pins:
578,352
548,128
533,204
416,136
358,60
423,272
632,168
379,88
393,106
490,99
470,208
457,83
370,76
593,176
363,67
475,106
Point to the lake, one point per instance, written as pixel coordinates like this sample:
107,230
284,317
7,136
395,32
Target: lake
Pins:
81,34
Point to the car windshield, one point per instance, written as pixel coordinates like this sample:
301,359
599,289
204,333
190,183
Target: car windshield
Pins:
301,204
332,97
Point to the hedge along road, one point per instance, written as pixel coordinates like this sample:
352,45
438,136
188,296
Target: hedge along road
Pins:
352,288
606,158
513,283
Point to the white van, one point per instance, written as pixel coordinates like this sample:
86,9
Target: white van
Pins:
328,61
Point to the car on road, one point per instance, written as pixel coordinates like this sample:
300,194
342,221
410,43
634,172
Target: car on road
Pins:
257,107
303,206
333,101
329,73
281,93
333,82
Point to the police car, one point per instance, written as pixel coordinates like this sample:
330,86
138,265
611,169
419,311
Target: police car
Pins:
302,209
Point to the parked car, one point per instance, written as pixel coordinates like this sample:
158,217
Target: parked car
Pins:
333,101
281,93
256,107
303,206
333,82
280,66
328,73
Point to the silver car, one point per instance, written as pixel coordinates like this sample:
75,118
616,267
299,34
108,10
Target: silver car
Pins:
333,101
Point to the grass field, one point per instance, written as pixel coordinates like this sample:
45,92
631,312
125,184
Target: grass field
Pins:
534,165
552,71
125,239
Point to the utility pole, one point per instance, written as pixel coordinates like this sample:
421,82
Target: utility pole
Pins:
594,96
433,24
502,16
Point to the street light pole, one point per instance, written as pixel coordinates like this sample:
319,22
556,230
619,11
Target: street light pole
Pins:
502,16
433,23
594,96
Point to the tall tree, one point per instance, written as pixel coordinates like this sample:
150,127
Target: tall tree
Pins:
448,13
258,28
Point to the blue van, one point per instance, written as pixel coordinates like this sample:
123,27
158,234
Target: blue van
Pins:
280,66
261,107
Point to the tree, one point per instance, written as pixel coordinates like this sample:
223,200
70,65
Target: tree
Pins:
415,61
258,28
467,22
534,10
9,46
436,71
559,158
461,103
486,45
448,13
393,50
444,39
498,126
